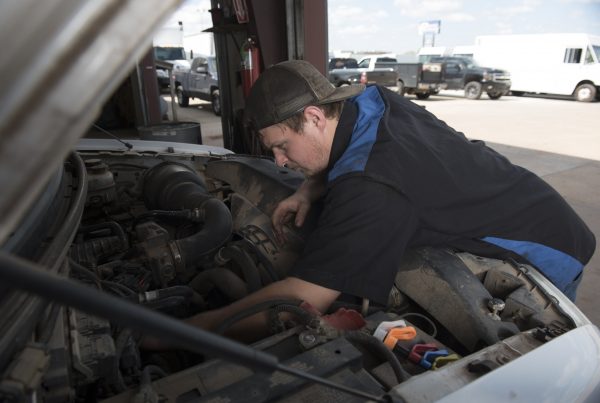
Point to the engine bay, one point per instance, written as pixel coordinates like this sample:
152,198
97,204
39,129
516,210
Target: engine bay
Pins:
183,234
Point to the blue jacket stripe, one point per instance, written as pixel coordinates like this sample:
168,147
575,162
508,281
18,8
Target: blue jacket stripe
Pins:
559,267
370,110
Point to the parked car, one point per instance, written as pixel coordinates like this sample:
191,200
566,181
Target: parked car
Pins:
200,81
342,63
116,239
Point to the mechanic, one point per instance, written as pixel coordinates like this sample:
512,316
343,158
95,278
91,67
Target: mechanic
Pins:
392,176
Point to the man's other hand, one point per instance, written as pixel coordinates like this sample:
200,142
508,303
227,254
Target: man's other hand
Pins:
297,205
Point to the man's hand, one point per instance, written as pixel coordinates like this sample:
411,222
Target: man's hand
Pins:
256,327
297,205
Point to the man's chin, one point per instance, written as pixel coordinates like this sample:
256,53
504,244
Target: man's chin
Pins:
308,173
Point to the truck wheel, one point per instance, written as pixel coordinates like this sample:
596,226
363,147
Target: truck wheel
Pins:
473,90
400,89
422,95
494,94
585,93
182,99
215,99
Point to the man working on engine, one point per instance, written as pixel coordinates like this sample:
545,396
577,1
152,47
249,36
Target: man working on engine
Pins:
392,176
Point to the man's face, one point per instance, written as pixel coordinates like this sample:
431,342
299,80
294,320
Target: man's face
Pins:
304,151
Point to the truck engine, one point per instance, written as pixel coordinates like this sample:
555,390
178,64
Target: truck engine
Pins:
186,233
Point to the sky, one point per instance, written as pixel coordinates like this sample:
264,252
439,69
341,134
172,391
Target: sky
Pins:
392,25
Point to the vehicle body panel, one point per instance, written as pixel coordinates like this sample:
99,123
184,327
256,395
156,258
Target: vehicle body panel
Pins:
566,369
542,63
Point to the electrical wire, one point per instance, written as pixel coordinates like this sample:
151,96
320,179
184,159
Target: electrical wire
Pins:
32,278
434,330
377,347
260,307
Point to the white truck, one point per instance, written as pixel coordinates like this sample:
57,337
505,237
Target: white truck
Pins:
371,69
561,64
168,47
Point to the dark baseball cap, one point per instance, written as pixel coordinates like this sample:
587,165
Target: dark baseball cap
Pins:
288,87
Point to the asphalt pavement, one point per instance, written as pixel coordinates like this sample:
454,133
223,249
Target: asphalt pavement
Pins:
556,138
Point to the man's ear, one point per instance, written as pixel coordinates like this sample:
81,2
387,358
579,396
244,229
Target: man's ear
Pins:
314,115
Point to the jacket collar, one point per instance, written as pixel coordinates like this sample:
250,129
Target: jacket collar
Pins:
343,133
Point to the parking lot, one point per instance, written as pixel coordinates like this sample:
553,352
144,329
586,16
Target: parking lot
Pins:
558,139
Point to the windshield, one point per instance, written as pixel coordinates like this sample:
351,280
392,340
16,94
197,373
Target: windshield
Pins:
165,53
212,64
596,49
467,61
364,63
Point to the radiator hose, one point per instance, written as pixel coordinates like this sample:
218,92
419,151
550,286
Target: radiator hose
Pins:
173,186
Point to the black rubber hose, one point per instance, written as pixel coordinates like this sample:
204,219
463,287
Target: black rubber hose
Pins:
249,268
262,306
172,186
118,288
216,231
152,369
165,304
76,267
32,278
306,317
174,291
377,347
35,279
224,280
116,377
183,214
266,264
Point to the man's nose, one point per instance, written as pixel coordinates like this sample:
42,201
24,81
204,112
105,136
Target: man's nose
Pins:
280,158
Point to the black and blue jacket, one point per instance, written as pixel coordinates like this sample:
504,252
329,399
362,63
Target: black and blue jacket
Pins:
399,177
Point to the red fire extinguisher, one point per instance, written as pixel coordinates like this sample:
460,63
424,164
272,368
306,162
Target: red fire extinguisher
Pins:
250,65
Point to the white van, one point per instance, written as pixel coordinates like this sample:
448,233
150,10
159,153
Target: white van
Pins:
562,64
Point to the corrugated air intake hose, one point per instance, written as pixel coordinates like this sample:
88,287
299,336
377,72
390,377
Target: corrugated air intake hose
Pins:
173,186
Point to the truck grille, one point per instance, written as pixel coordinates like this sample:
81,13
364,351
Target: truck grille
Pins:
501,77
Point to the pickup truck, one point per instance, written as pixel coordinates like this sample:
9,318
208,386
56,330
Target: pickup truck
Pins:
463,73
174,55
420,79
200,81
371,70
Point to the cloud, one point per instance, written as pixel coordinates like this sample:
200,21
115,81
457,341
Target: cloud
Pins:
353,19
503,28
458,17
347,12
358,29
427,8
526,6
581,1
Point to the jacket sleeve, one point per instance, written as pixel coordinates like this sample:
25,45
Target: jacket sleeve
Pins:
360,238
